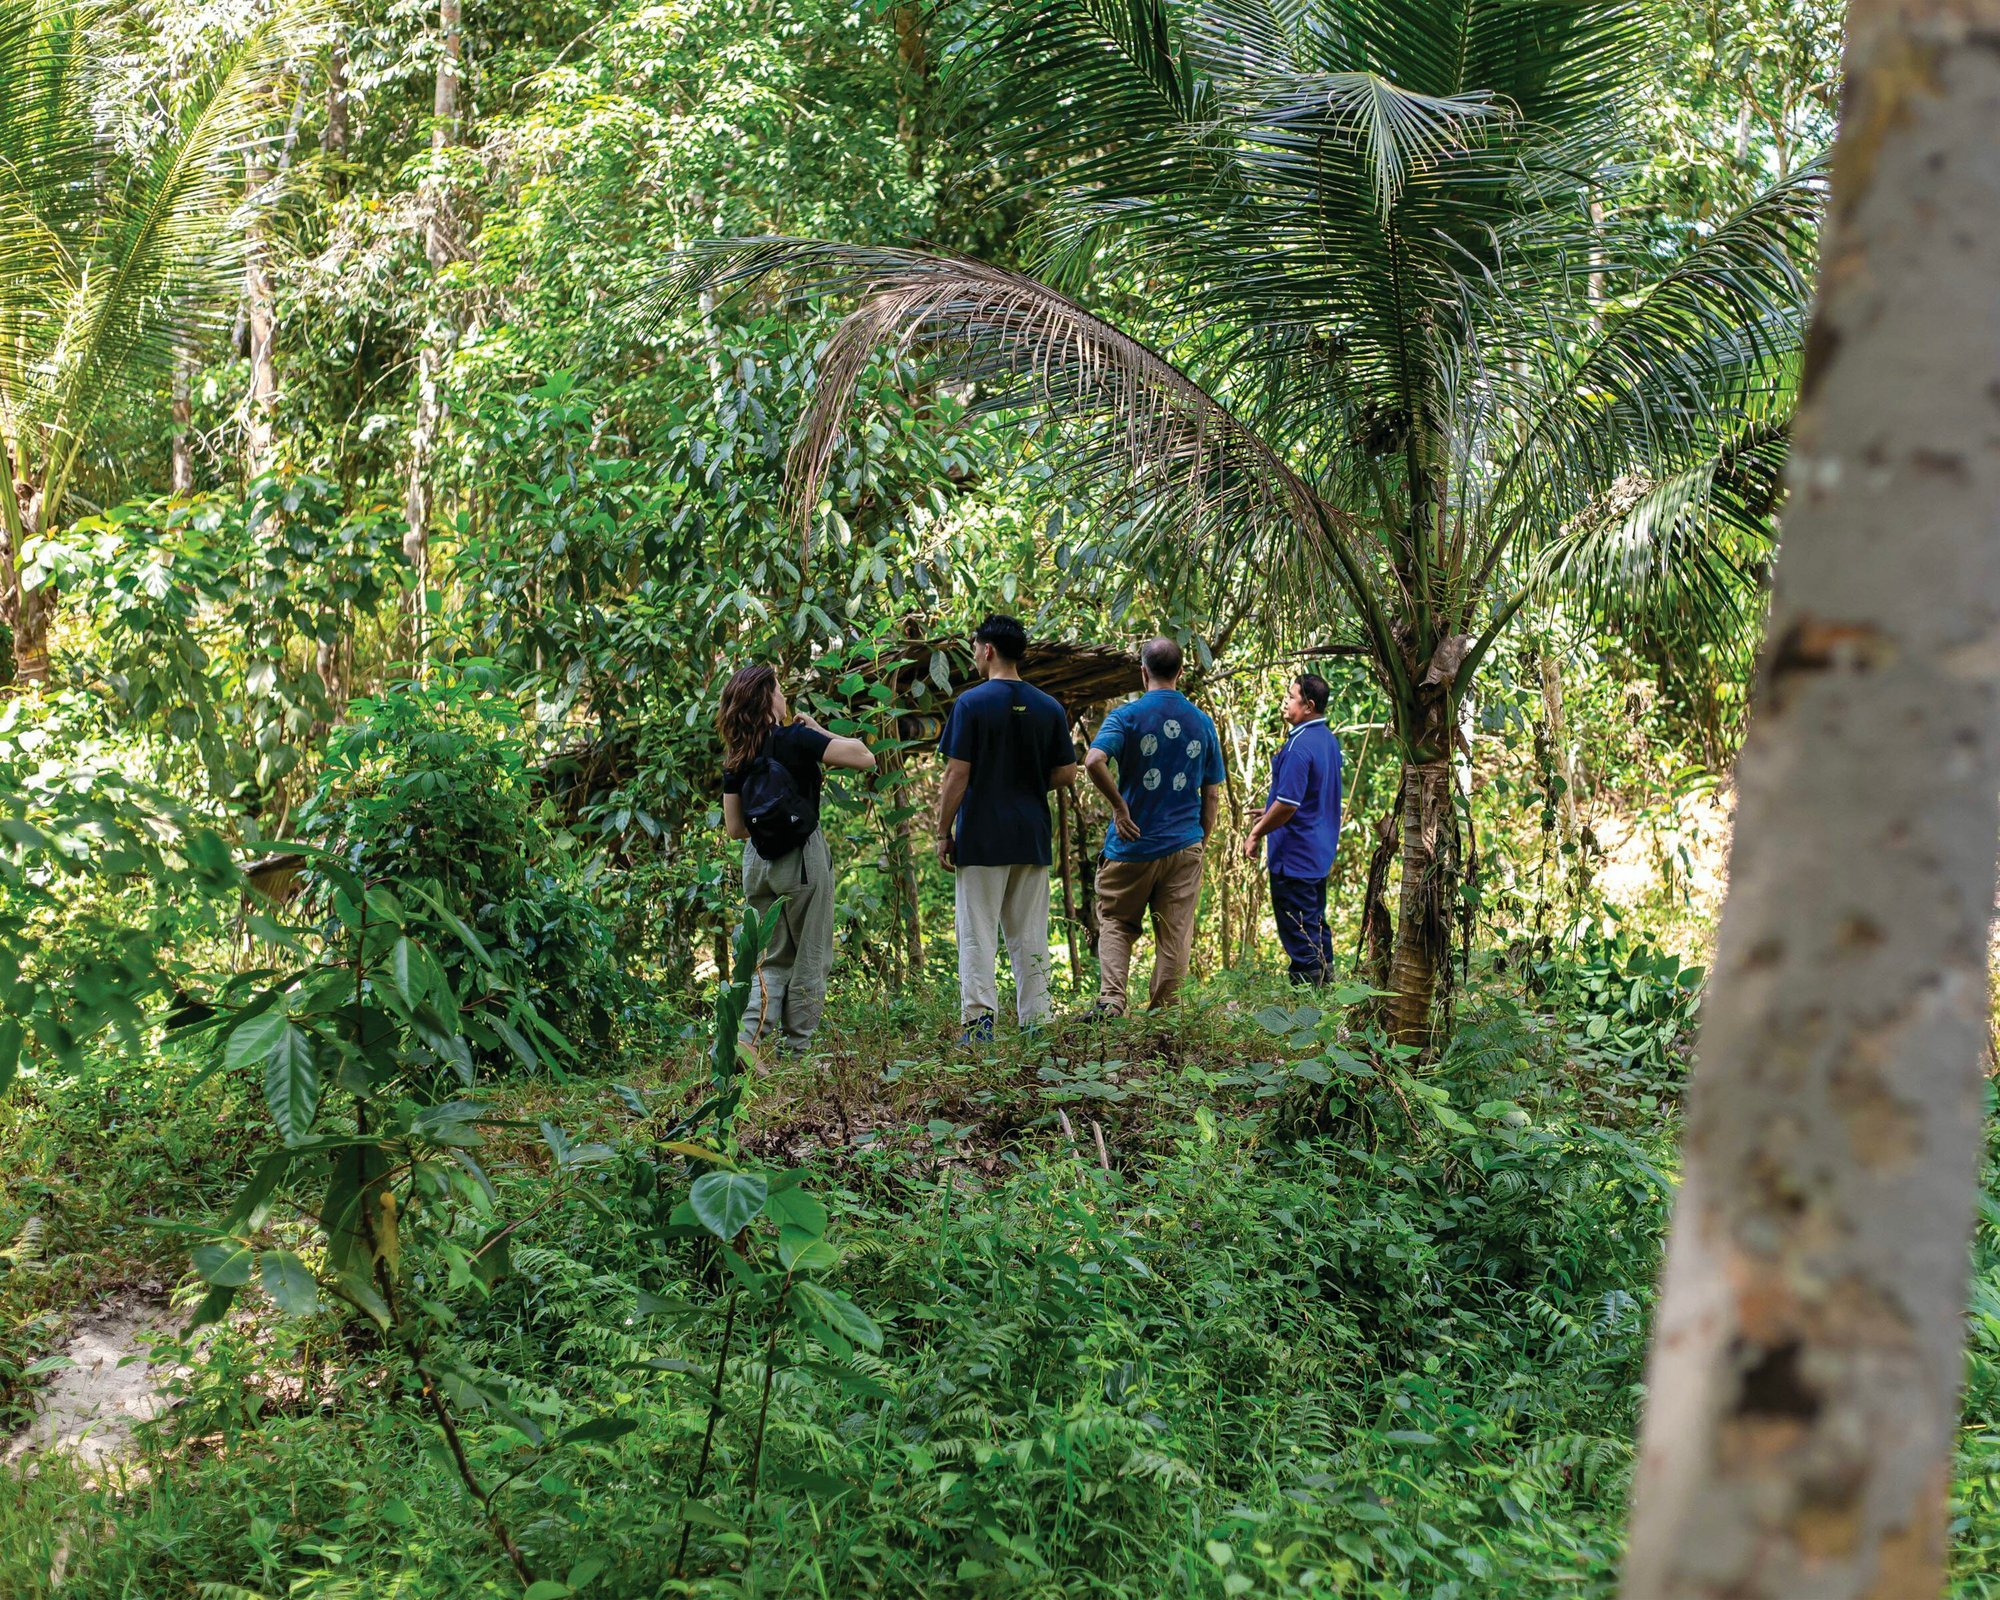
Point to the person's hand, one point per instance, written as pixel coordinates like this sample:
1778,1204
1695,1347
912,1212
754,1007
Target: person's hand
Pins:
1250,843
1127,825
806,719
947,857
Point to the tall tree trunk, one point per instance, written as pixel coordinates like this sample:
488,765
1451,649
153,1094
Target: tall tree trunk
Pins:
1423,931
182,481
1378,927
440,248
1807,1358
27,609
334,141
262,402
913,56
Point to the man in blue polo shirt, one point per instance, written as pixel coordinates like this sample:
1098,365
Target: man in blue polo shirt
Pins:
1302,820
1163,808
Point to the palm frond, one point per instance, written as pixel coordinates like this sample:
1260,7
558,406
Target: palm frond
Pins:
1707,351
1133,435
156,257
1688,542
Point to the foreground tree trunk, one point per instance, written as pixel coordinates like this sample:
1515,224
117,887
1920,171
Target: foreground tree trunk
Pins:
1806,1364
1423,938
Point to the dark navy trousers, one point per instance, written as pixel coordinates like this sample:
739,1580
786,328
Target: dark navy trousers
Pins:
1299,905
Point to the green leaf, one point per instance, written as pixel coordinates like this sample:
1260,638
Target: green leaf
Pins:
252,1039
213,1308
546,1589
291,1083
799,1251
225,1263
599,1430
794,1208
289,1282
405,975
10,1050
725,1203
1274,1020
839,1313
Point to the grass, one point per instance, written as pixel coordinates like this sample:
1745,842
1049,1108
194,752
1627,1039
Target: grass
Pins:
1296,1330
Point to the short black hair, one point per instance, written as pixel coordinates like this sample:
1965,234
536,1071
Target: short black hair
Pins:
1005,634
1313,689
1162,659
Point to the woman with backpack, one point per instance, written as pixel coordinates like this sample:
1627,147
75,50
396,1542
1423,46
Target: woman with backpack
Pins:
771,773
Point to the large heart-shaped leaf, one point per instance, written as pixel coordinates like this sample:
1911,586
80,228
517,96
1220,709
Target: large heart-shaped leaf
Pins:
726,1202
289,1282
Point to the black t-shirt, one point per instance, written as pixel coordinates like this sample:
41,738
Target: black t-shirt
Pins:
798,750
1014,736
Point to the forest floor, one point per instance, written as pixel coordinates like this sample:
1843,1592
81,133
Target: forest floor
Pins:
1232,1302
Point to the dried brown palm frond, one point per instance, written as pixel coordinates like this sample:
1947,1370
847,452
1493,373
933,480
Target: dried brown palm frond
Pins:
1129,430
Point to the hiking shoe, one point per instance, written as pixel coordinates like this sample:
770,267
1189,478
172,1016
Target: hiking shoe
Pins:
978,1031
1102,1011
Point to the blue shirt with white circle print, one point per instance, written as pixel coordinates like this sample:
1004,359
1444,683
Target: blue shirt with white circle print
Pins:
1167,751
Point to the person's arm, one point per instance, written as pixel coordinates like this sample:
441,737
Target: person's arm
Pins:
1098,767
1211,807
957,774
732,817
1276,815
840,750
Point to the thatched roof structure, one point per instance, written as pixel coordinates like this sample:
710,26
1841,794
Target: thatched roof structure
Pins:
1082,677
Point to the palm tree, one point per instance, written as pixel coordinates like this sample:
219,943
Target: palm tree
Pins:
112,262
1406,363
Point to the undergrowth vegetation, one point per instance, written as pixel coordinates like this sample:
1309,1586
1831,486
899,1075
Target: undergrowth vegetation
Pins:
1250,1305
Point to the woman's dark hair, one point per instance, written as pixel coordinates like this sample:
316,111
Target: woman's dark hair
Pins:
745,717
1005,634
1313,690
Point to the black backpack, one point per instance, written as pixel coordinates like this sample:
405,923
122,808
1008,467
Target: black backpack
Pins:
779,817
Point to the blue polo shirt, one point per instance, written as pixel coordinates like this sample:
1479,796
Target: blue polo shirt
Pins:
1166,750
1306,773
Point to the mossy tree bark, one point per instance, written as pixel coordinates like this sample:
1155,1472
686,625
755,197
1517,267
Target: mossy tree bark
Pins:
1807,1357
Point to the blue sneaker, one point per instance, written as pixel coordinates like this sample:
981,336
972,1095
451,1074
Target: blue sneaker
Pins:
978,1031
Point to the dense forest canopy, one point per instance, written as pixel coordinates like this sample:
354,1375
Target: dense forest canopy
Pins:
416,415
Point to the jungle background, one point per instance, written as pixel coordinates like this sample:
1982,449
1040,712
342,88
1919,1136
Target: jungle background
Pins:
376,552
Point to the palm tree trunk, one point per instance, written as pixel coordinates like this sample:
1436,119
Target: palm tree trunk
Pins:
1804,1387
1422,929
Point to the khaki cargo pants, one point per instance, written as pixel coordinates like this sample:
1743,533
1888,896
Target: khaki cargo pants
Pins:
1170,888
790,992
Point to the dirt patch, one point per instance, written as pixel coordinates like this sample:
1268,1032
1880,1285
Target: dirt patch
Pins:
90,1407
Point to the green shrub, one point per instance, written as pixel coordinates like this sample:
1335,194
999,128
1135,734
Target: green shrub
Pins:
432,784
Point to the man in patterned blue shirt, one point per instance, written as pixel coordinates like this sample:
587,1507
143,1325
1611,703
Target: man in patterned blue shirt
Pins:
1163,807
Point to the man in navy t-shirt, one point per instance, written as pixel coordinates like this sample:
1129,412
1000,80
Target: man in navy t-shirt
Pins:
1302,821
1007,745
1163,808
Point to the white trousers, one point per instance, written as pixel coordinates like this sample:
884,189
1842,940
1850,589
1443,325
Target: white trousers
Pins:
1014,901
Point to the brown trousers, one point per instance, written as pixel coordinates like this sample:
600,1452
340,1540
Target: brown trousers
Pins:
1126,890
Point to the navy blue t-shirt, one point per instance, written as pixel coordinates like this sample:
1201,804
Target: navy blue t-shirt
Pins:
1167,752
1014,736
1306,773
